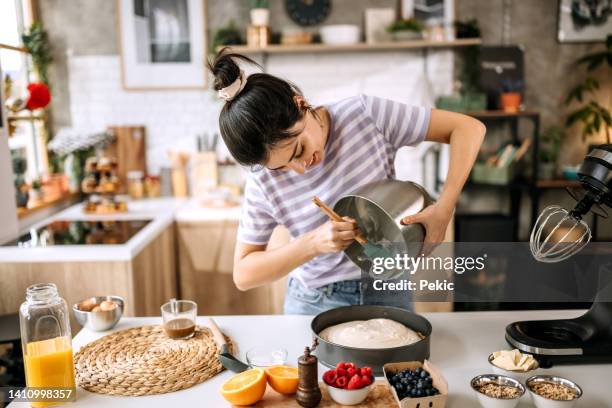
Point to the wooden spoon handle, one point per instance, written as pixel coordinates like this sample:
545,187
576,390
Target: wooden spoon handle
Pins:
334,216
218,336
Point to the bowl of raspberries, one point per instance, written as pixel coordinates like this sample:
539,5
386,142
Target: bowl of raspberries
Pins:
348,384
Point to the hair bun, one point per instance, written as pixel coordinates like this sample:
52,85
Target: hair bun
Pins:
225,69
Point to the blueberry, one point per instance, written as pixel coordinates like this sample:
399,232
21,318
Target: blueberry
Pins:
418,370
419,385
429,392
400,387
420,393
429,380
408,389
413,392
424,374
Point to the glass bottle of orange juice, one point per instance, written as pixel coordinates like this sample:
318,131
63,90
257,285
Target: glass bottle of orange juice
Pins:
46,342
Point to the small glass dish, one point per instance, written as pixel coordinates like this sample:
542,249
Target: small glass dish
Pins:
266,356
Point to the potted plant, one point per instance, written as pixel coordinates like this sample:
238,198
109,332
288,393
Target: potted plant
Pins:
591,114
228,35
260,13
405,30
36,191
20,166
550,145
510,98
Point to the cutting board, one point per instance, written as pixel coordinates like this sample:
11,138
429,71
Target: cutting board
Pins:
130,150
379,397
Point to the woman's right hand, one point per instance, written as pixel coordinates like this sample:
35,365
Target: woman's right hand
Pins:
334,236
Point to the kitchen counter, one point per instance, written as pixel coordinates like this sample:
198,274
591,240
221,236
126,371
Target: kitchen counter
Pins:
162,212
461,343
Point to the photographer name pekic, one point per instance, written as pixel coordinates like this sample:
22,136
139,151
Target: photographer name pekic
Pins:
407,285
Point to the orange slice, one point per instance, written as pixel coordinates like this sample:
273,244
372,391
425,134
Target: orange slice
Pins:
283,379
245,388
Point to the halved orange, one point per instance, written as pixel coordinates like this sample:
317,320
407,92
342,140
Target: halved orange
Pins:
283,379
245,388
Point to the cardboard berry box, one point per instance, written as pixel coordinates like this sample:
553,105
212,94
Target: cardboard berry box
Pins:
434,401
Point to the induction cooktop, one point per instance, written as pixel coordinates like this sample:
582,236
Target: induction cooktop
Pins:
62,232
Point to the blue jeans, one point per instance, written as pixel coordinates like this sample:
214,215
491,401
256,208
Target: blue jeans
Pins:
304,301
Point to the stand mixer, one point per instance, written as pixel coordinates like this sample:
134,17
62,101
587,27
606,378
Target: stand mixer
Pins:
557,235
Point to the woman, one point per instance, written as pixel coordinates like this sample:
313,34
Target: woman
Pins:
297,151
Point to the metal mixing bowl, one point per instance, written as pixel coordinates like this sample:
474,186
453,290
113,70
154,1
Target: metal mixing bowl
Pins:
102,320
378,209
330,354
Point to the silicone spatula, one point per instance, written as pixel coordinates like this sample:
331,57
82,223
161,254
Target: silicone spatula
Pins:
372,251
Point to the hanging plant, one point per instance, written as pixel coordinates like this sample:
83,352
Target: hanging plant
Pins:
36,43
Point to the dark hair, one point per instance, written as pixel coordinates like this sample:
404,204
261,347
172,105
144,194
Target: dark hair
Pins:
260,116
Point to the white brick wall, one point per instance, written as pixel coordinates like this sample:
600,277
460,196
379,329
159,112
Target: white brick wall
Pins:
173,118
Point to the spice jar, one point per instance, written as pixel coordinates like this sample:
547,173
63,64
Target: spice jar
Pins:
46,339
308,393
135,184
152,186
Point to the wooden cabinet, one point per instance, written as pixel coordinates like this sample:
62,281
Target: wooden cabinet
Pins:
145,282
206,251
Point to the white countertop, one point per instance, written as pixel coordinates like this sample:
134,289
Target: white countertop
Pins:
460,345
161,211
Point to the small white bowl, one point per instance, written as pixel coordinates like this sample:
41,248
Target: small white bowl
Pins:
348,397
519,375
541,402
490,402
340,34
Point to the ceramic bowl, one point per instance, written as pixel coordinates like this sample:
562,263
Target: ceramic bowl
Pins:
541,402
490,402
348,397
519,375
102,320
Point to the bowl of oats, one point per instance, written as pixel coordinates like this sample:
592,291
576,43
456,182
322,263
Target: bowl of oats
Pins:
549,391
497,391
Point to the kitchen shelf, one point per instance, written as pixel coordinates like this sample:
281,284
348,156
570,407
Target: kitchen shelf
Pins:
383,46
557,183
500,114
64,199
17,118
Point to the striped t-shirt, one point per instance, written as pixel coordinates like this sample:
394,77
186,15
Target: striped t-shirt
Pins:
365,134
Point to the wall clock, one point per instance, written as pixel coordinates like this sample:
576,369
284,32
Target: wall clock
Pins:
308,12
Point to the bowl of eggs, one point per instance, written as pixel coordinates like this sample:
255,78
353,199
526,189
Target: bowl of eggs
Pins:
98,313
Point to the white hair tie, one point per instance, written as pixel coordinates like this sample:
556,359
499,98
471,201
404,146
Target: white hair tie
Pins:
229,92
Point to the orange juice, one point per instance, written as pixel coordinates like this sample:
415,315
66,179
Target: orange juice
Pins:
49,364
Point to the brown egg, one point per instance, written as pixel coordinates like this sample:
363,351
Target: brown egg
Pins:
87,305
96,309
108,305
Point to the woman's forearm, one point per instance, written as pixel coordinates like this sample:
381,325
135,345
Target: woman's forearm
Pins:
262,267
465,141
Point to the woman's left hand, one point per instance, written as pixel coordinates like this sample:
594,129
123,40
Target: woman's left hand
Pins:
435,219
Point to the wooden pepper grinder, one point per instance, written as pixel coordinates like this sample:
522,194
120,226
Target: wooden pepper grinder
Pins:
308,392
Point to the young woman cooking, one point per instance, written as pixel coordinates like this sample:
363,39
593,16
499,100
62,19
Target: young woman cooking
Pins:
297,151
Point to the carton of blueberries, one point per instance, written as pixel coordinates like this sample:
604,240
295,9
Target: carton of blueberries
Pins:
416,385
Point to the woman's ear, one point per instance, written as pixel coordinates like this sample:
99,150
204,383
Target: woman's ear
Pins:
300,102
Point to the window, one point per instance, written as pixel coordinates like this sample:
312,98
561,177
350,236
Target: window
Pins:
26,131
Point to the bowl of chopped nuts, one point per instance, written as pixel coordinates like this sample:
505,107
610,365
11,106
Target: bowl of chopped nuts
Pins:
497,391
549,391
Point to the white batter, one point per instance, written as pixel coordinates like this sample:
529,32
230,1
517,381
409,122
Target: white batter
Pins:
372,334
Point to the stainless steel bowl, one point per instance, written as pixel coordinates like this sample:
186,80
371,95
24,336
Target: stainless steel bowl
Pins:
378,209
542,402
102,320
491,402
330,354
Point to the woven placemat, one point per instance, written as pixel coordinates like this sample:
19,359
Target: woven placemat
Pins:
144,361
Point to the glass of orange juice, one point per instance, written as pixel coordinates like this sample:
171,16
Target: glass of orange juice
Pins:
47,345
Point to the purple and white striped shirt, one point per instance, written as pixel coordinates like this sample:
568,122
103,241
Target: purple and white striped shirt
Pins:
365,134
